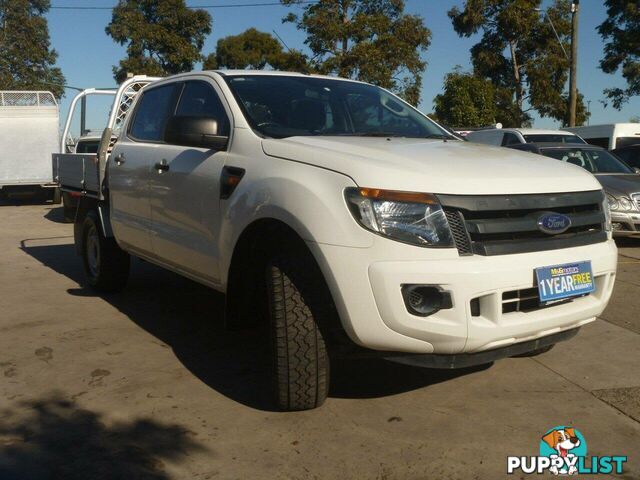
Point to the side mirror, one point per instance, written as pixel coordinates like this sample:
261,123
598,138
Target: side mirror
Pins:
195,132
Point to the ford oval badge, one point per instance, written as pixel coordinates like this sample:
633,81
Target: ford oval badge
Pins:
554,223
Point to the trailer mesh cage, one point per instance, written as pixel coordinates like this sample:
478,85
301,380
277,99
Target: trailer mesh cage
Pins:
10,98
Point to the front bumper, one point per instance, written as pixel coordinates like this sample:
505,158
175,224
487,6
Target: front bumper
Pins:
626,224
464,360
366,287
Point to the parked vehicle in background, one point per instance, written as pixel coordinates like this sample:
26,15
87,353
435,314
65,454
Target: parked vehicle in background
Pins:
344,221
88,143
29,128
610,136
621,183
515,136
629,155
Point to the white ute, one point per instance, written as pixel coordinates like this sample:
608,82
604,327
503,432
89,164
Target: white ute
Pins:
346,222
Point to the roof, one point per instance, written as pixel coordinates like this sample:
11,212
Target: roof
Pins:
278,73
537,131
583,146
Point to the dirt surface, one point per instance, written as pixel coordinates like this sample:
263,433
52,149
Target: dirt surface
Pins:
148,384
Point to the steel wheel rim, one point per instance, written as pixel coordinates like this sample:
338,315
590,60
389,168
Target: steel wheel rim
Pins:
93,252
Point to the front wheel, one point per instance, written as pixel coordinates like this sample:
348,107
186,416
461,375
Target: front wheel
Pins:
106,266
297,301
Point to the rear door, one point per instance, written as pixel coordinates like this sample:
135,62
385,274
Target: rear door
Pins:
130,166
185,190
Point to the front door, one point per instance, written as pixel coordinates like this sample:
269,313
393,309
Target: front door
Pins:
185,191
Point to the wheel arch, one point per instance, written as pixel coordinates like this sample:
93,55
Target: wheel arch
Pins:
246,269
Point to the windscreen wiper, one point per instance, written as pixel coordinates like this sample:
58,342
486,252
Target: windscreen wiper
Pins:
440,136
369,134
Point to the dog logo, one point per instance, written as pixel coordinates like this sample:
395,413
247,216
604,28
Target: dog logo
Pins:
563,451
565,443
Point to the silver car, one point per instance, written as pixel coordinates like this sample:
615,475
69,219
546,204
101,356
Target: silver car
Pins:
621,183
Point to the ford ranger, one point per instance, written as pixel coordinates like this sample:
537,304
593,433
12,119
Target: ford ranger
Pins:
346,221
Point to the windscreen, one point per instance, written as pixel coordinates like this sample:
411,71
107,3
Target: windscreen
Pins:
594,161
626,141
89,146
283,106
551,137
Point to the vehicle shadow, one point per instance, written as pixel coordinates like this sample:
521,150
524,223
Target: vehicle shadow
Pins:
26,199
55,439
189,318
56,215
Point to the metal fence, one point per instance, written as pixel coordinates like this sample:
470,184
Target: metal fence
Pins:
10,98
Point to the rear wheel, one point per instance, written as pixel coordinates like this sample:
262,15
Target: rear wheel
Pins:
106,266
69,207
298,306
56,196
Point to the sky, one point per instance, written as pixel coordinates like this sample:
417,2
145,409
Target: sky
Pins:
87,54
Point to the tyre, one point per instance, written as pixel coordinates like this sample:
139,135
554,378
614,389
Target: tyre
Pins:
106,266
297,305
69,207
56,196
536,352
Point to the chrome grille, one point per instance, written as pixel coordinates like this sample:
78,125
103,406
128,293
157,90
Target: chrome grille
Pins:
636,199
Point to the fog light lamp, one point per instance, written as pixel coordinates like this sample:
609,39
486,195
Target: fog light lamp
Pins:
425,300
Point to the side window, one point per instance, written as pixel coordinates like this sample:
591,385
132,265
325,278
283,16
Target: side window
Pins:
199,99
152,112
510,139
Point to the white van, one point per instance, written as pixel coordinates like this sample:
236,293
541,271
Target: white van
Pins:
506,137
609,136
29,132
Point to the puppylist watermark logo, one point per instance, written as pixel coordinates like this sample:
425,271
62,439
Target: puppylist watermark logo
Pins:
563,451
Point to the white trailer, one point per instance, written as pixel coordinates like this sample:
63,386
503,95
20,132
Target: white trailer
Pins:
609,136
29,132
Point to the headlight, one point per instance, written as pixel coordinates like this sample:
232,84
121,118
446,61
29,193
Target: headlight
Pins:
606,208
415,218
625,203
620,204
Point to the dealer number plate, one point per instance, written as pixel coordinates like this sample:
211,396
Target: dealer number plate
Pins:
564,281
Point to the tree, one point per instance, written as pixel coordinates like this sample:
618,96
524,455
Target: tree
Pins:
467,101
27,61
254,50
535,69
369,40
621,32
163,37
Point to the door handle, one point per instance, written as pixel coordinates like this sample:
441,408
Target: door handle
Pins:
162,166
119,159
